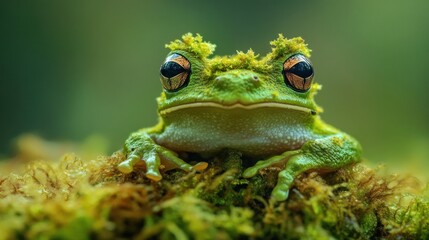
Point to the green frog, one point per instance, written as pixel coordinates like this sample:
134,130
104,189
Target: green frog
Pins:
262,107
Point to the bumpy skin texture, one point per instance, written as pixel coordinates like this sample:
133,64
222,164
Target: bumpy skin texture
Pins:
241,102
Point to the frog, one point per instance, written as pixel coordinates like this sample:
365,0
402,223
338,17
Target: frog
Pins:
262,107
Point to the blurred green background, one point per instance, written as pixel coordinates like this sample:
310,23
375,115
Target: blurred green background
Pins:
71,69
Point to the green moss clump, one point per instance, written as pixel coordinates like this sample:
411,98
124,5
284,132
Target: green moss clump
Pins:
281,47
242,60
192,44
75,199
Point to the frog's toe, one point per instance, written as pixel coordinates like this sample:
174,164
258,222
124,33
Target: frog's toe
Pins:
152,162
279,194
250,172
154,175
201,166
172,159
125,167
284,182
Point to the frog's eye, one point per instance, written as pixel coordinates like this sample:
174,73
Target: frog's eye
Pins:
298,72
175,72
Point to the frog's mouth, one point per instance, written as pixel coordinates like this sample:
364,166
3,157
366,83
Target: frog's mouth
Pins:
238,105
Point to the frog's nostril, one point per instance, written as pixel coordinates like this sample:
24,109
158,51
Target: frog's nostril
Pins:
255,78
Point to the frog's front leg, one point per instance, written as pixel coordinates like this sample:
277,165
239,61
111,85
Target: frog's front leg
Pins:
140,146
326,153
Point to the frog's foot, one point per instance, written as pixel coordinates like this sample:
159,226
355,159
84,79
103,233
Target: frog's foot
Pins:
143,148
297,163
295,166
329,153
284,182
150,158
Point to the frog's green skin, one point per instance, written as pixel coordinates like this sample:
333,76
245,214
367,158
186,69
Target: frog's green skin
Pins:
241,102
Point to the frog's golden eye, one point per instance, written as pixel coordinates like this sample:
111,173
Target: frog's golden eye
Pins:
298,72
175,72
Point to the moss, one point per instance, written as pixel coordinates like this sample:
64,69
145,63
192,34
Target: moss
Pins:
192,44
76,199
242,60
281,47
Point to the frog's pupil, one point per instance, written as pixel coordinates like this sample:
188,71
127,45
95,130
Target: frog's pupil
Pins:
171,69
302,69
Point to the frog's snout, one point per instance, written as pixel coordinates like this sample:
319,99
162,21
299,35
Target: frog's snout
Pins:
237,80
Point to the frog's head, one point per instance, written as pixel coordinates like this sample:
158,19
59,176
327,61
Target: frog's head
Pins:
283,79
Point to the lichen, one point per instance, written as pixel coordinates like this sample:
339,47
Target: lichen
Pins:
77,199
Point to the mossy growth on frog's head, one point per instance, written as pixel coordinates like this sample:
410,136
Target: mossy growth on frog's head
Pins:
280,48
283,46
192,44
283,76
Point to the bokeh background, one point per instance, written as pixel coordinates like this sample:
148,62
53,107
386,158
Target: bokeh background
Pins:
72,69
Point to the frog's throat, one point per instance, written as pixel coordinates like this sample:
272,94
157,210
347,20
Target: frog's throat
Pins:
238,105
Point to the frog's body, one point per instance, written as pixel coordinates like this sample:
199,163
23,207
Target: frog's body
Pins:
260,131
262,108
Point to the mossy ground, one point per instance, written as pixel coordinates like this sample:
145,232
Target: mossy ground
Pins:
90,199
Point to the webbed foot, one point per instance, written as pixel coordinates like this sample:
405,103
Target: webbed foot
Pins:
140,146
327,153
